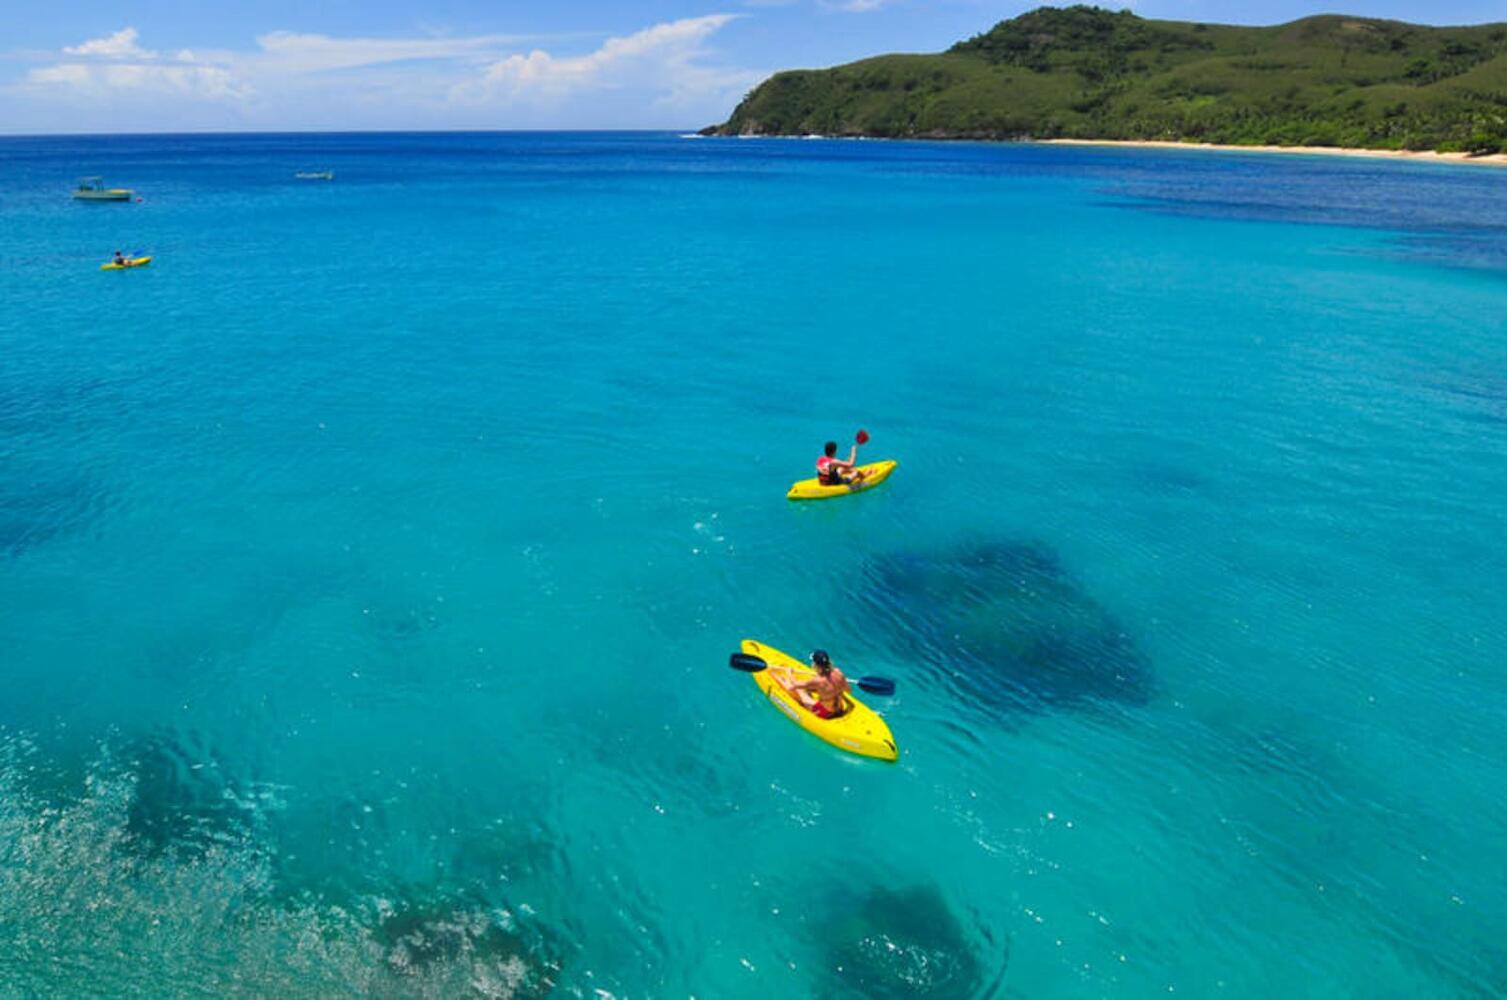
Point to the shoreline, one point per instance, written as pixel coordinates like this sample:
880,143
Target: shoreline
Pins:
1416,156
1419,156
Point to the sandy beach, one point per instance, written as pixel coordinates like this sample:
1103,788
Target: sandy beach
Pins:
1492,160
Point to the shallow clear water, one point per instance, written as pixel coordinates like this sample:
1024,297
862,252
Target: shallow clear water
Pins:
369,566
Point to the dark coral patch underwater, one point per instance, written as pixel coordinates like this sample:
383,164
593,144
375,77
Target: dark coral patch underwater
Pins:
1005,627
183,797
907,943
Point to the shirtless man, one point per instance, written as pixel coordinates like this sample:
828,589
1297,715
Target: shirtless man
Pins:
825,693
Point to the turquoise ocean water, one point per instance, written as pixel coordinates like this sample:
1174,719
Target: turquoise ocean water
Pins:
369,566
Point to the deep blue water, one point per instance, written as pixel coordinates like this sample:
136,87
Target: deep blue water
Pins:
369,564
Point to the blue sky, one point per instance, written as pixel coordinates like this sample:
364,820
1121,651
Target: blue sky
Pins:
169,65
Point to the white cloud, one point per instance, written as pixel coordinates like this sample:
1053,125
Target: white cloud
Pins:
118,69
300,53
214,75
664,75
665,58
121,45
211,83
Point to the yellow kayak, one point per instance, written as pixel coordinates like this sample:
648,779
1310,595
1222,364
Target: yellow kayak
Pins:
133,262
859,730
815,489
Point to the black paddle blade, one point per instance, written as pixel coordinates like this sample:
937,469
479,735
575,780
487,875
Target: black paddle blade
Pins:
747,662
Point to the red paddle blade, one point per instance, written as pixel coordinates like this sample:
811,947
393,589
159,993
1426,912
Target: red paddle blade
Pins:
863,437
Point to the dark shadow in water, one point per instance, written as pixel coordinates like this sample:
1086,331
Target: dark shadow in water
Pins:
666,762
399,624
1359,193
1451,217
183,799
1475,394
33,403
509,850
1477,252
1264,751
896,944
1004,626
37,505
43,415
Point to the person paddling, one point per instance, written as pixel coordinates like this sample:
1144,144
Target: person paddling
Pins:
826,693
120,259
833,471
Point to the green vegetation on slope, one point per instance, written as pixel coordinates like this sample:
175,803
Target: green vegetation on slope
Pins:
1087,73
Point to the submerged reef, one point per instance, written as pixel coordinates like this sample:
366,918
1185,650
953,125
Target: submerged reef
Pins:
182,797
137,880
902,943
466,950
1005,626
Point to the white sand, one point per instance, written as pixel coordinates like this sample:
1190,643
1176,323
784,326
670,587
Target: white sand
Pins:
1491,160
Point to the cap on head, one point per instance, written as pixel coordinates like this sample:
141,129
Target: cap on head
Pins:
821,660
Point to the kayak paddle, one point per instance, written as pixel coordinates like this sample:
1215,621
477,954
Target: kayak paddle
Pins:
751,664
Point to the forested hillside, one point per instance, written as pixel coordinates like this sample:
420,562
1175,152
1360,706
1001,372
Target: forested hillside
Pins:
1086,73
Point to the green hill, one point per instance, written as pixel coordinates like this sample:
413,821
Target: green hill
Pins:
1086,73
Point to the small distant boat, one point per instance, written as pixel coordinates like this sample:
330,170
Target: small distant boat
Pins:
127,263
315,175
93,189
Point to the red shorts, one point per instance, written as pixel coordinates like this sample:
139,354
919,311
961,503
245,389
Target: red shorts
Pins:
822,711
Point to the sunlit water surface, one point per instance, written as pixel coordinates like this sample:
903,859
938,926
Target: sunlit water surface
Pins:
369,565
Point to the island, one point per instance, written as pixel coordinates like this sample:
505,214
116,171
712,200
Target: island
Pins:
1084,73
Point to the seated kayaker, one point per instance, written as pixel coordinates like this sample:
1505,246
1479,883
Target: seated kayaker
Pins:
825,694
120,258
833,471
